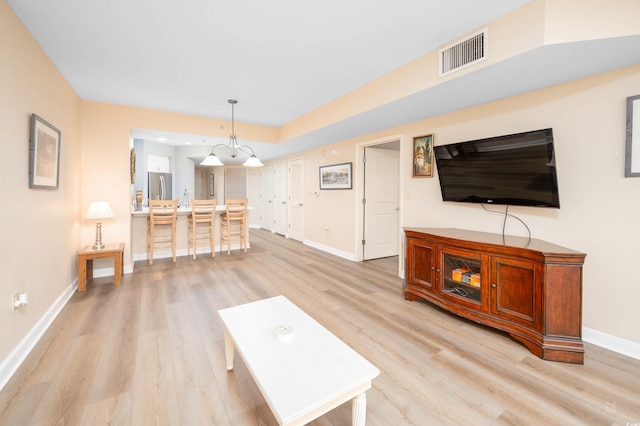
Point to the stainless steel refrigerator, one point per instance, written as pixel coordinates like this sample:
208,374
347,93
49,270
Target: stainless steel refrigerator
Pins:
160,186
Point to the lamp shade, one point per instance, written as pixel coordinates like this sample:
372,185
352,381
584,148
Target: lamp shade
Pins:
211,160
99,210
253,161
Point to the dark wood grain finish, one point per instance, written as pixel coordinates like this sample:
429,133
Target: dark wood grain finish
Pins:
530,288
422,255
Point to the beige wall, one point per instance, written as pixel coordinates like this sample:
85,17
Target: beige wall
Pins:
334,209
40,229
575,20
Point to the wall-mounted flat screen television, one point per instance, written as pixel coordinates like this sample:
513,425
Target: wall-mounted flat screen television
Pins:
518,169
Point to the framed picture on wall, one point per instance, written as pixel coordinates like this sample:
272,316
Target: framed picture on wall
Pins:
632,157
132,165
336,176
212,191
44,154
423,156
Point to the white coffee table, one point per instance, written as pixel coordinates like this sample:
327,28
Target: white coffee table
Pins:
303,374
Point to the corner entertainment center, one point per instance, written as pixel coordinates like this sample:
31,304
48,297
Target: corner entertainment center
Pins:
528,288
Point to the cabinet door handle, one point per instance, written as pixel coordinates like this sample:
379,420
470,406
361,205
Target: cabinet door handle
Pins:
433,267
437,270
494,285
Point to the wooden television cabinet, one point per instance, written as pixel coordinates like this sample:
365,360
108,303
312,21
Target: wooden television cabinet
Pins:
528,288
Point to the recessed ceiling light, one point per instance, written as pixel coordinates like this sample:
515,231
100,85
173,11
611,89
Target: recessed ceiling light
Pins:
162,139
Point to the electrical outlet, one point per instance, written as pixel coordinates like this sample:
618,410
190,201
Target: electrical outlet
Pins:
19,299
15,299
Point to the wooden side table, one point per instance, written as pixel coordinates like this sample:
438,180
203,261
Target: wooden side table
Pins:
85,263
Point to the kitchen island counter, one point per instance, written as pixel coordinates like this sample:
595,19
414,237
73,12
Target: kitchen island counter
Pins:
139,234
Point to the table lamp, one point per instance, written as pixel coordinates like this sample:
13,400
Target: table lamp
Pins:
99,210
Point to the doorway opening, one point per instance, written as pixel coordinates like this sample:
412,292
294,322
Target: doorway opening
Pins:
378,173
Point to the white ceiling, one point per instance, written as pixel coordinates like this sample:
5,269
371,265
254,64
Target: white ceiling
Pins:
283,58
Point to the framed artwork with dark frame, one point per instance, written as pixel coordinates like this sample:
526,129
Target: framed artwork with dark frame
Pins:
44,154
632,157
336,176
423,156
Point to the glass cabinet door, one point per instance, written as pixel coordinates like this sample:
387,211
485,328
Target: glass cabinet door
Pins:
461,277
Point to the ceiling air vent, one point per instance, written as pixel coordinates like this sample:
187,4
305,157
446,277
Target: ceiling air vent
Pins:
463,53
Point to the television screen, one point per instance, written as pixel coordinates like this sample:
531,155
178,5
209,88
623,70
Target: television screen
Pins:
518,169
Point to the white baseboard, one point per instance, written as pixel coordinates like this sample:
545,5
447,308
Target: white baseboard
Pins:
158,255
343,254
613,343
109,272
17,356
167,253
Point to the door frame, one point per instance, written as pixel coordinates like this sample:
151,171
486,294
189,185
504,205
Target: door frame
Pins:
284,165
359,195
375,176
289,200
266,197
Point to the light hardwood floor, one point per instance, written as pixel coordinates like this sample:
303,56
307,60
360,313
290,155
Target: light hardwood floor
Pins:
151,352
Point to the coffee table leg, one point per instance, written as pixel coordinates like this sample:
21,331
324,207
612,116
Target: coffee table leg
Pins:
228,350
359,410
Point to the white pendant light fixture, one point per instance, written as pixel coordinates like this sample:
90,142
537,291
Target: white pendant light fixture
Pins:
233,147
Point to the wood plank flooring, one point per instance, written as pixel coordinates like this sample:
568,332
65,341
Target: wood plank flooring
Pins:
151,352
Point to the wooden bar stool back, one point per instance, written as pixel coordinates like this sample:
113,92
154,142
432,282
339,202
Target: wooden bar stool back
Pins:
161,226
201,220
233,224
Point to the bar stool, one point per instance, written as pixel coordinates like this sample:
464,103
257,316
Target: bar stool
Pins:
201,220
161,226
233,223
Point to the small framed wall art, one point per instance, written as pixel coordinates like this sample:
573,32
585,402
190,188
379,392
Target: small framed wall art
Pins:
132,165
337,176
423,156
44,154
632,157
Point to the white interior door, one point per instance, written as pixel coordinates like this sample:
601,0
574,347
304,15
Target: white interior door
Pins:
203,184
266,197
381,207
296,199
235,183
198,183
280,198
